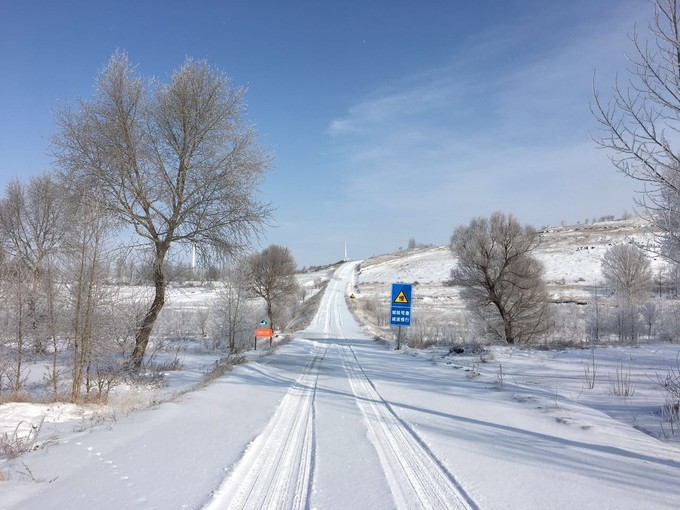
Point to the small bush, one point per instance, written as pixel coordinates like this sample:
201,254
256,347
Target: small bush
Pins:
621,385
224,365
19,442
168,366
473,372
17,396
589,373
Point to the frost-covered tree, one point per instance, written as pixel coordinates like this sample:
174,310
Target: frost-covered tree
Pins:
234,316
501,281
34,220
176,162
272,277
85,266
627,270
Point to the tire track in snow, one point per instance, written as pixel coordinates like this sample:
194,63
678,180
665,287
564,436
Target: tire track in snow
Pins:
276,470
415,476
327,321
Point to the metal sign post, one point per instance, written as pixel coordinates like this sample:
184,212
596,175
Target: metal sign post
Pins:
400,309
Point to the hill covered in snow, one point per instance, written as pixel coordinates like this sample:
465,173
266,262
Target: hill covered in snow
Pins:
571,255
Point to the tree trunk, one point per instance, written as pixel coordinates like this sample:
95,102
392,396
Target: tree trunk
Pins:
20,341
144,332
509,335
80,327
50,291
507,322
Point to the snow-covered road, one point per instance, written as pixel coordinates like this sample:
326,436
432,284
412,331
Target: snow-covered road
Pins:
276,471
336,421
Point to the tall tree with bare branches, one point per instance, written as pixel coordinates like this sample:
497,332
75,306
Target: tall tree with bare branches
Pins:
177,162
271,276
640,119
501,281
627,270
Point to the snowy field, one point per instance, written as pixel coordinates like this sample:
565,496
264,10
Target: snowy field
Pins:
335,420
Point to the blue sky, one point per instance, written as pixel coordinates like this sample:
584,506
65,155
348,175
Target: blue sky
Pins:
386,120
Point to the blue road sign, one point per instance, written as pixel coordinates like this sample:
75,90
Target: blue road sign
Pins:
400,309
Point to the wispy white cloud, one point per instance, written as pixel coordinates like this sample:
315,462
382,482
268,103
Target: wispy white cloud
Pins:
488,130
395,108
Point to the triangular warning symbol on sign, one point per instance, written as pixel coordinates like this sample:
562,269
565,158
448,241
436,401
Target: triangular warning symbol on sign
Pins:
401,298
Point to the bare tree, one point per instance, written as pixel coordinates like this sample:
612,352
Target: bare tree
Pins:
501,281
272,277
84,264
594,314
642,117
627,270
34,218
234,317
13,293
176,162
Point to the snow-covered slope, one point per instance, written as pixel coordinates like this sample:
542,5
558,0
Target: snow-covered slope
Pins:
571,255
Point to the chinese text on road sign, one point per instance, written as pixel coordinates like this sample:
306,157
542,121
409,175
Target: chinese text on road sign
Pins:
400,309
